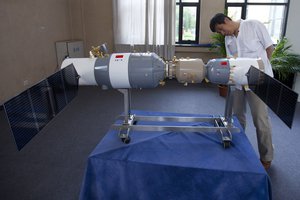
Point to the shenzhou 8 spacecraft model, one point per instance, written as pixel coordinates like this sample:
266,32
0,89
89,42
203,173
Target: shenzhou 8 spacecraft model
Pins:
125,71
147,70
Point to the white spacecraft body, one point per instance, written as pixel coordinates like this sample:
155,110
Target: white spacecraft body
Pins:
84,67
146,70
120,70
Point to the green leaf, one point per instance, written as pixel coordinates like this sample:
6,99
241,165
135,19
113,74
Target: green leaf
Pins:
283,61
218,42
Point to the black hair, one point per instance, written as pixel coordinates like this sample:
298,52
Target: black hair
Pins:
219,18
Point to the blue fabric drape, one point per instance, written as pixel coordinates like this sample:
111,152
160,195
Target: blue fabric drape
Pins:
174,165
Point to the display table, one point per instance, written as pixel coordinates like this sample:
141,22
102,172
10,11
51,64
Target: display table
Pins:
174,165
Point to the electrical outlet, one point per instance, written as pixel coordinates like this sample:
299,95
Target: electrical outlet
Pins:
25,82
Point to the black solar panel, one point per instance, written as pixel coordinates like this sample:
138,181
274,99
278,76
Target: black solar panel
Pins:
21,118
31,110
281,99
57,84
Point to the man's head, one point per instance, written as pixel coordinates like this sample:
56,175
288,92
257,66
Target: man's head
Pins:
222,24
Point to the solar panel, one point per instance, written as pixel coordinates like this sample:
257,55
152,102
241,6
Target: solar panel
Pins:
281,99
33,109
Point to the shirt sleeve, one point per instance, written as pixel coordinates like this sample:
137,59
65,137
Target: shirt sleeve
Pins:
263,35
230,45
226,46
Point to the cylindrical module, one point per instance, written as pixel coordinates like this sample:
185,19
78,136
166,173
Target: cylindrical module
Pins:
130,70
190,70
218,71
231,71
240,67
120,70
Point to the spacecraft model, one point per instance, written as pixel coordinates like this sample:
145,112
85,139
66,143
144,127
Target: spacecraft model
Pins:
147,70
31,110
124,71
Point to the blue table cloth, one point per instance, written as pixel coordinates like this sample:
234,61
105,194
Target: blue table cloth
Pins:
174,165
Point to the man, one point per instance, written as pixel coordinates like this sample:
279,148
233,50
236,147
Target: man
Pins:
249,39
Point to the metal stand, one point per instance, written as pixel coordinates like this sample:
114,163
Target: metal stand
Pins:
227,136
222,125
128,118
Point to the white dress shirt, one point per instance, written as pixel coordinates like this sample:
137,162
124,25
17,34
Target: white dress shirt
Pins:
252,41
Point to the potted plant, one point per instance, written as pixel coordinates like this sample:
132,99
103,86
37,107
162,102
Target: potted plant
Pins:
284,62
218,43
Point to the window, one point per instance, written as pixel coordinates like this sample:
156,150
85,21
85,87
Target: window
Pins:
272,13
187,21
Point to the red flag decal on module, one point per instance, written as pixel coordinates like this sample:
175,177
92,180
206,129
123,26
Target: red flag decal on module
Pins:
119,56
224,63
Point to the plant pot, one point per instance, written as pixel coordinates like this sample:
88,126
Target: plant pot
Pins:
223,90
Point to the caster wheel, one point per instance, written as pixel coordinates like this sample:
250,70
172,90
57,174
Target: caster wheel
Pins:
126,140
226,144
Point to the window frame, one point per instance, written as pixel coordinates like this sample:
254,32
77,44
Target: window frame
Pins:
180,23
244,5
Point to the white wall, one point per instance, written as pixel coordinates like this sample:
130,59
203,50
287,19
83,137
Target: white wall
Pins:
292,33
28,32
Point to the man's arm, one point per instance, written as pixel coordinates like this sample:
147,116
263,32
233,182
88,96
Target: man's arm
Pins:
269,51
264,38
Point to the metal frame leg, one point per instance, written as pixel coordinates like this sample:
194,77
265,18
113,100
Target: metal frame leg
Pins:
228,121
229,104
128,118
127,104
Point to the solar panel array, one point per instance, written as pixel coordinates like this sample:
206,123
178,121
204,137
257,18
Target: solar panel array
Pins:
30,111
281,99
